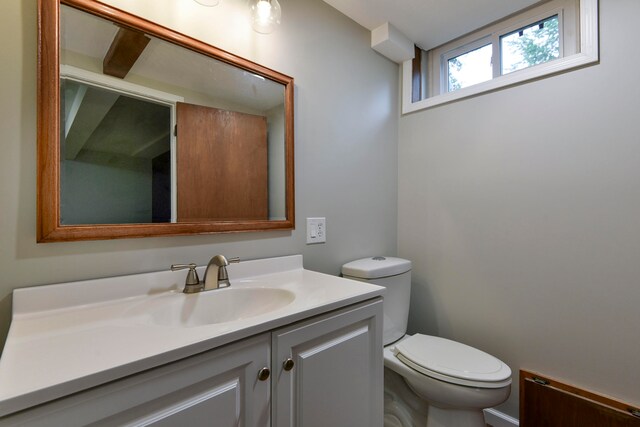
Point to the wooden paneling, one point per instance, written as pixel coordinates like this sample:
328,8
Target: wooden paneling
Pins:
549,403
222,164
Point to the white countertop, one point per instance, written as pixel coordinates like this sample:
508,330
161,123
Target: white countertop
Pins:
68,337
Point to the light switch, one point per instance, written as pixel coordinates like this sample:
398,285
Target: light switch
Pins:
316,230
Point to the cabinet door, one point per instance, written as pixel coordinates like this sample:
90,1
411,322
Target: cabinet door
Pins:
337,374
216,388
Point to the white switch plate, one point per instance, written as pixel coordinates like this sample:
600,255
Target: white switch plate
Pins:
316,230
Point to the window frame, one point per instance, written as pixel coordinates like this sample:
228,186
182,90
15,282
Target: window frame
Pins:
583,51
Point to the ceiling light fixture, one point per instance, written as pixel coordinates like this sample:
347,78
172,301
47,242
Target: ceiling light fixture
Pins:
265,15
208,2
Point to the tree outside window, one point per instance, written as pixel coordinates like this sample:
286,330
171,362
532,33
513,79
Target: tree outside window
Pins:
532,45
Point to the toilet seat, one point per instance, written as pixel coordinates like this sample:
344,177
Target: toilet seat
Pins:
452,362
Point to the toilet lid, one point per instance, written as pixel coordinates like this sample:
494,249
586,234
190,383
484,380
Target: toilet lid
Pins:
452,362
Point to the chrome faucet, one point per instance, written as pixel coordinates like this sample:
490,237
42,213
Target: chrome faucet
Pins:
218,277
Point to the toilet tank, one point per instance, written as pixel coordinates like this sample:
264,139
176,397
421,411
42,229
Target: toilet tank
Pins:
395,275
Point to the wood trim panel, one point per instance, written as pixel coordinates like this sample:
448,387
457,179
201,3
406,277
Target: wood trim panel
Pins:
48,124
551,403
49,228
125,231
289,157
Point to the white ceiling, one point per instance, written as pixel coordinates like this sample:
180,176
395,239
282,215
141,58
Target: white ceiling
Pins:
429,23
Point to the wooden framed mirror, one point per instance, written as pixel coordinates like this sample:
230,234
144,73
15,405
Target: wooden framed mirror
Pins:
143,131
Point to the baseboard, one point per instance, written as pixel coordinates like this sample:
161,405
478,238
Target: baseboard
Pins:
499,419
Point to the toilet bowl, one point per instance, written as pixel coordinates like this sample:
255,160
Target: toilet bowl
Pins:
455,381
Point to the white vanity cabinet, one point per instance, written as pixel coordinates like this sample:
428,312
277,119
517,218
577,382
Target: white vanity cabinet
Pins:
328,371
215,388
335,380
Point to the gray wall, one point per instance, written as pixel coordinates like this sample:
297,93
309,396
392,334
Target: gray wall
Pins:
521,212
106,191
346,124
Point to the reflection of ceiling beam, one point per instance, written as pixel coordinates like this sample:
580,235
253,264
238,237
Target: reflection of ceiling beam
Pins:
74,95
126,48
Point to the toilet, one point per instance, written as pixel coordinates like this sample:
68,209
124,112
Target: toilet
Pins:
444,383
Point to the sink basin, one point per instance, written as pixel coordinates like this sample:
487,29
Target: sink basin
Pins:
212,307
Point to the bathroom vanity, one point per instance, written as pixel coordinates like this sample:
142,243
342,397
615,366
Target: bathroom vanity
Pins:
283,346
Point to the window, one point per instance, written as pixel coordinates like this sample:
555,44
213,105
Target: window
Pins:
531,45
528,39
466,67
514,50
554,36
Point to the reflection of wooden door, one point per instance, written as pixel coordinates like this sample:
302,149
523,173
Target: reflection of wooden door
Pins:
222,164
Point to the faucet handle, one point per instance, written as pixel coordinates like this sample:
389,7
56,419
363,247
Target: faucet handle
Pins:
192,283
223,276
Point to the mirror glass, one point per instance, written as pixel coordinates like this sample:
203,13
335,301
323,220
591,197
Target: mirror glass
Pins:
143,131
122,162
